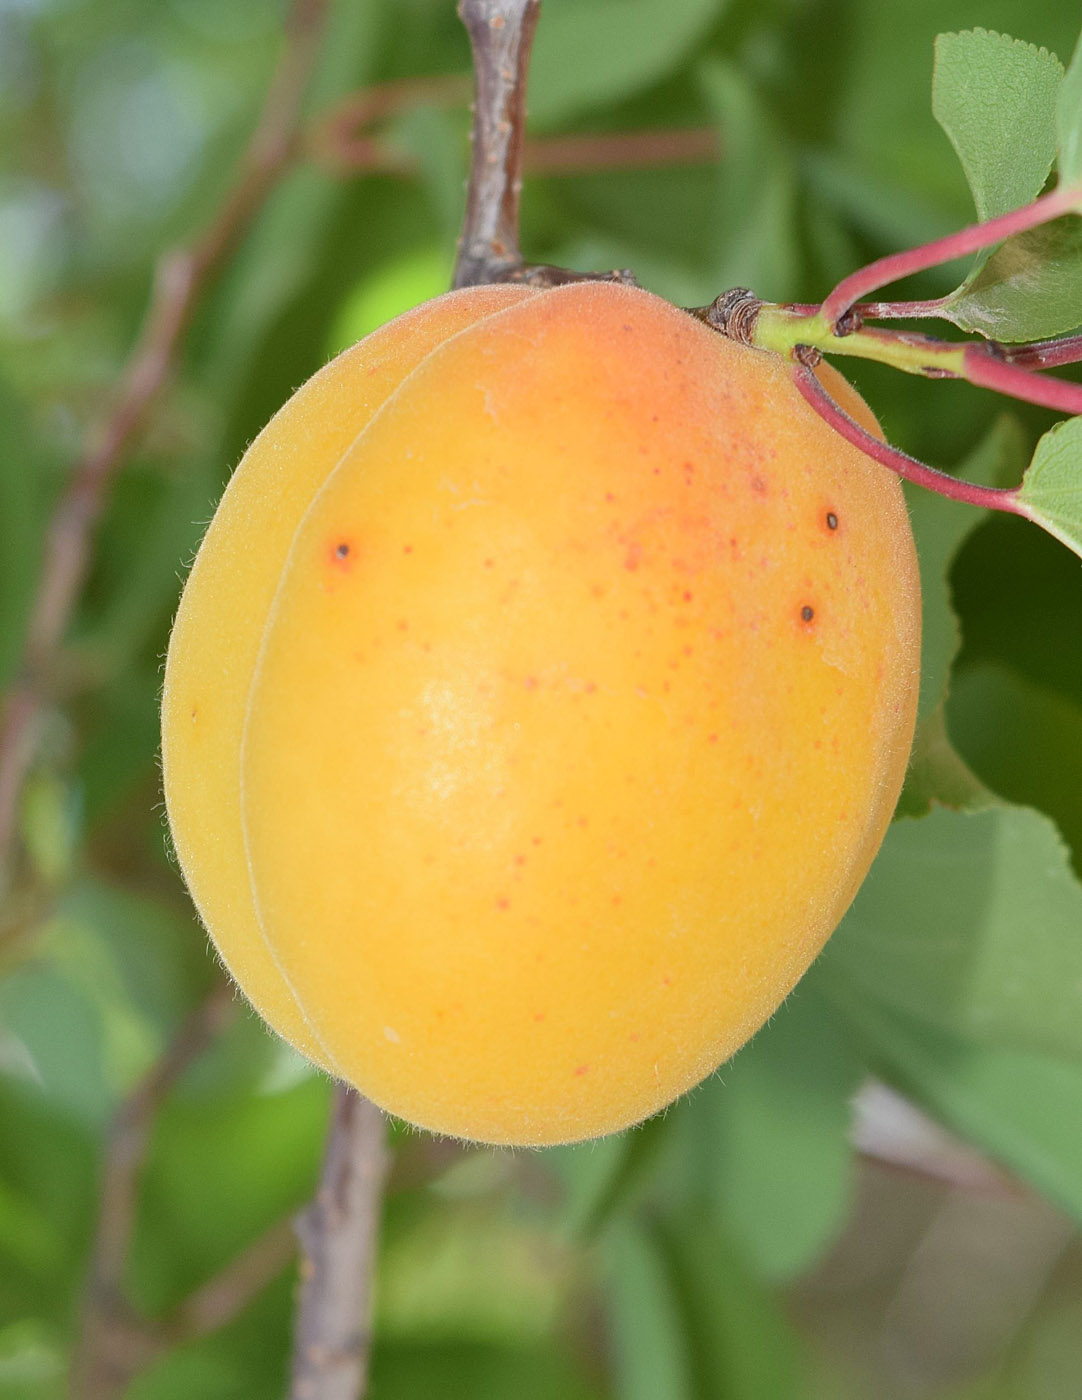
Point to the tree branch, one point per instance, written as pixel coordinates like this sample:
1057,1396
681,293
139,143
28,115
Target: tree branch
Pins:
338,1233
501,34
180,279
108,1352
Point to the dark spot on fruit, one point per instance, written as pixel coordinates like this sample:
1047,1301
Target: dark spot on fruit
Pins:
195,713
807,613
342,551
832,520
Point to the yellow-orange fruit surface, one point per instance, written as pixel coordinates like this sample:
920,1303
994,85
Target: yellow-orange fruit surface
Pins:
536,705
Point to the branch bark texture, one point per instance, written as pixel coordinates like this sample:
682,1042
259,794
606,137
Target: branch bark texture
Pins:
339,1230
501,36
338,1234
114,1344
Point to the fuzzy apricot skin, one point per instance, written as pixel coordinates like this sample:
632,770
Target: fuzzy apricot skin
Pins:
219,629
574,710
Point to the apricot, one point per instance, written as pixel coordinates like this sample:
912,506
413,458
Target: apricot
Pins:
536,704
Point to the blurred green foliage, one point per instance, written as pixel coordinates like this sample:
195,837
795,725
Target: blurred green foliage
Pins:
735,1248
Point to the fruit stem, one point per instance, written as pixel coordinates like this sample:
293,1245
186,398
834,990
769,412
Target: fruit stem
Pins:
955,245
1003,368
501,35
780,328
805,359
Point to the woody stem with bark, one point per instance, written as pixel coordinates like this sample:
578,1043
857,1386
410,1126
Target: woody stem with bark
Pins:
338,1232
501,35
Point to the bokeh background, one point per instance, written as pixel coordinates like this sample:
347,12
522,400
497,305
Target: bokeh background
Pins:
880,1196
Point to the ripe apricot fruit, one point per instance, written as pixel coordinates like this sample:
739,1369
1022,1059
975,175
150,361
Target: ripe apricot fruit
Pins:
536,704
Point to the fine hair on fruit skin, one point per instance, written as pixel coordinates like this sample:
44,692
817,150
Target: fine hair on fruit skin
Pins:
536,705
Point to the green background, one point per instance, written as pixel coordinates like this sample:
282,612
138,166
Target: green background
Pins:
740,1247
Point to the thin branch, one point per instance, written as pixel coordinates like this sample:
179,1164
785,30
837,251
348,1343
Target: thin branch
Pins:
108,1325
338,1231
990,497
988,368
225,1296
501,34
350,145
1044,354
342,139
892,1132
180,279
955,245
338,1235
621,150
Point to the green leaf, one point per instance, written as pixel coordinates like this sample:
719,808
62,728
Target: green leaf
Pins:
1029,289
742,1345
1052,485
393,287
1023,1108
1069,121
469,1270
755,226
937,775
769,1137
940,528
1024,739
971,922
22,514
593,53
648,1333
995,97
603,1176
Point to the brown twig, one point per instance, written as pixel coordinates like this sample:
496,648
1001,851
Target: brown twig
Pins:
180,278
129,1343
501,34
338,1233
108,1352
222,1298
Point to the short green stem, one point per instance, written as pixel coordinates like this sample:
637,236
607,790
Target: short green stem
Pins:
780,328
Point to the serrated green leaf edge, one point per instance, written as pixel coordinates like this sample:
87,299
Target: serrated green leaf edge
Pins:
1022,77
1051,490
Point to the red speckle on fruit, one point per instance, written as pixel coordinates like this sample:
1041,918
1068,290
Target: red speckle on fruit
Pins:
582,1069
